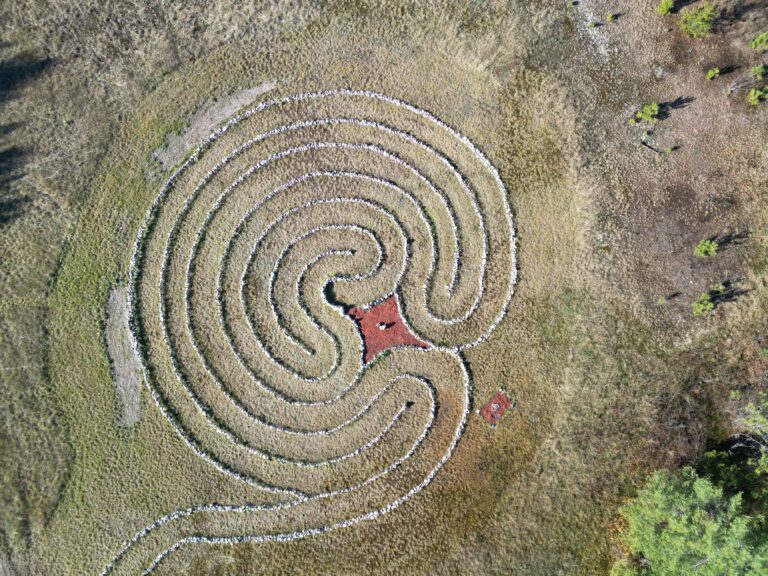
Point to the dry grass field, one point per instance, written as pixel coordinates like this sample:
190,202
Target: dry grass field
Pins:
233,178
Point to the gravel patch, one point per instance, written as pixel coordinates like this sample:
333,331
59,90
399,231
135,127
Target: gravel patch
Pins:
125,365
213,113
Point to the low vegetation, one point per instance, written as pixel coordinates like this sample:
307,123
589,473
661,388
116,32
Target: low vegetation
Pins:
706,248
699,22
757,95
760,42
665,7
703,304
649,112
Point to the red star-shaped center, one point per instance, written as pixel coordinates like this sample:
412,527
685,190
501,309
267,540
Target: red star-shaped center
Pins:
382,327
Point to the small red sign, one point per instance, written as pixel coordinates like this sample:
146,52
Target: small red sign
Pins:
495,408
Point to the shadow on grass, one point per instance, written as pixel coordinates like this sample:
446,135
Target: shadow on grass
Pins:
730,69
15,73
726,292
743,11
11,169
665,108
680,4
731,239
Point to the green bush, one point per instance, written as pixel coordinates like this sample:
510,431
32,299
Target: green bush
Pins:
760,42
649,112
703,304
756,95
682,525
705,248
757,73
698,22
713,73
665,7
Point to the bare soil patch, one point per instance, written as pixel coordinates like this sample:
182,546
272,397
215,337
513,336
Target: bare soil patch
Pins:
126,370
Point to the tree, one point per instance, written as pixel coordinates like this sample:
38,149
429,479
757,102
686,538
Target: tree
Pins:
703,304
757,95
760,42
705,248
681,524
713,73
649,112
665,7
698,22
757,73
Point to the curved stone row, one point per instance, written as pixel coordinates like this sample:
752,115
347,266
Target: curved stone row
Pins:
242,276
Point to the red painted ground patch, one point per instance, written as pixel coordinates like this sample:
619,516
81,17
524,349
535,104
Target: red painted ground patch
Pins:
382,327
495,407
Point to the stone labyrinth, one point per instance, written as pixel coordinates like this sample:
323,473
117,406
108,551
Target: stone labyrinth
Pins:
242,280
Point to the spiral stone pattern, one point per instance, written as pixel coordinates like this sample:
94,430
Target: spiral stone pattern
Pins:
243,274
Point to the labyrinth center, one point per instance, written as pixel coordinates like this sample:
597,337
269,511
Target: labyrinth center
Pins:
246,278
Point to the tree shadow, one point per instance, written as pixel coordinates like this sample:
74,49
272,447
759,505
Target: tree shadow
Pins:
665,108
730,239
15,73
8,128
18,71
726,292
680,4
11,169
742,11
730,69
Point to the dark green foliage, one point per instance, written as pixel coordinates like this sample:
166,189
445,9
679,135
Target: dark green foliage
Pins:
738,475
682,524
698,22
